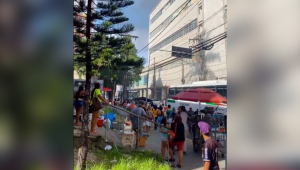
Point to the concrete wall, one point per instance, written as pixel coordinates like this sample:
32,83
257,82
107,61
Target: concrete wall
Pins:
215,58
209,24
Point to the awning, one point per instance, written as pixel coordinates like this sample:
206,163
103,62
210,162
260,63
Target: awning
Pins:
106,89
202,95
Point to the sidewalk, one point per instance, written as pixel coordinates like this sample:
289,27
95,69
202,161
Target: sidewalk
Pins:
191,161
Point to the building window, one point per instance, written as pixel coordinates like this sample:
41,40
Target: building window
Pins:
225,14
167,21
159,13
200,28
183,31
200,9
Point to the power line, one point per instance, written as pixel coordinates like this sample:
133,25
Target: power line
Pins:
199,48
202,42
187,2
186,68
168,80
194,51
209,18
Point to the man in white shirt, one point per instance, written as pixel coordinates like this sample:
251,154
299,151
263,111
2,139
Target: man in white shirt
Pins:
184,117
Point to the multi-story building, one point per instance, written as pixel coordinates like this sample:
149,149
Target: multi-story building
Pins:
184,23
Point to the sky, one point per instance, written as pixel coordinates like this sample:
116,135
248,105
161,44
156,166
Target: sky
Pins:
138,15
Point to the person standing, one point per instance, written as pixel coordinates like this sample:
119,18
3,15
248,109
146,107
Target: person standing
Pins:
190,115
178,128
184,116
190,112
138,117
96,93
196,112
172,116
78,104
147,124
210,150
154,113
168,111
160,115
178,110
132,105
164,137
206,117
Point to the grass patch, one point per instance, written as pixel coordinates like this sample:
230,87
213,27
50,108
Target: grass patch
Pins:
127,160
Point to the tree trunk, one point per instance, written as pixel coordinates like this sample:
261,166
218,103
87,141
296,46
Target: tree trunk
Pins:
83,150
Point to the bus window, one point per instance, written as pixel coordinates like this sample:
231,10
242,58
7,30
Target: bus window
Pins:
185,88
220,90
213,88
171,92
178,90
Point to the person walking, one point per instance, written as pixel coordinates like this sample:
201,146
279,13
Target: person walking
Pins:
210,150
184,116
78,104
178,128
96,93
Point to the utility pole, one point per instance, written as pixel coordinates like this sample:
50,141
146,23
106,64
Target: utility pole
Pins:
154,80
148,79
182,72
83,150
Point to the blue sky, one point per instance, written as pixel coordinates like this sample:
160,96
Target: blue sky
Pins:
138,15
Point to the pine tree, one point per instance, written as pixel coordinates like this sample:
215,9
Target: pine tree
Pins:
101,48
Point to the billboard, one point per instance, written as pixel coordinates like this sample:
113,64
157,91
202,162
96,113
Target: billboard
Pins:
181,52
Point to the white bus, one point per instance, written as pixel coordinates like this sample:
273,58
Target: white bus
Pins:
219,86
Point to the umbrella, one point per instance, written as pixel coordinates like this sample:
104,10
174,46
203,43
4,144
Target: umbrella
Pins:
202,95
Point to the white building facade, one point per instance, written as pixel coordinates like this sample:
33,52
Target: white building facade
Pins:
184,23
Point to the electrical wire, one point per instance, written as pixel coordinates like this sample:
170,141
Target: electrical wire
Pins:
186,68
199,48
168,80
204,43
209,18
187,2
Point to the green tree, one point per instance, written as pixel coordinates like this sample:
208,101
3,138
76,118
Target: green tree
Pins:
108,23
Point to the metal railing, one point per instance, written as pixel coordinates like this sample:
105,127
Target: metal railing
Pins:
121,115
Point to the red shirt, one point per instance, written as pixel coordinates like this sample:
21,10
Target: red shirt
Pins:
132,106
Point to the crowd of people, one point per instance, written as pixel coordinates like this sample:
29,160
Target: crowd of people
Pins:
166,119
162,118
